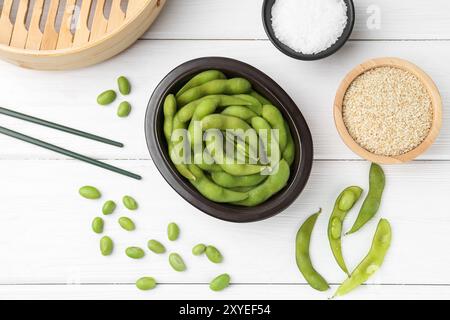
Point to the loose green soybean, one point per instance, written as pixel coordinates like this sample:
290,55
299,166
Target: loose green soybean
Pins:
90,192
109,207
130,203
372,202
344,203
173,231
124,109
302,256
198,249
372,262
97,225
146,283
124,85
106,97
127,224
201,78
135,252
106,246
177,262
156,246
213,254
219,283
221,86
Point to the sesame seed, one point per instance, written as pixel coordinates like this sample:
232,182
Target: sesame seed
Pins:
388,111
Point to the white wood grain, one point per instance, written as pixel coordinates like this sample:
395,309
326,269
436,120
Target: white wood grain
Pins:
202,292
241,19
70,97
46,234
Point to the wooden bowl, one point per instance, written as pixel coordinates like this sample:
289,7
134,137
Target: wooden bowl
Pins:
85,36
429,85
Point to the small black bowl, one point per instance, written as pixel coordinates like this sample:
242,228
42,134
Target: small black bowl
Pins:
267,21
157,145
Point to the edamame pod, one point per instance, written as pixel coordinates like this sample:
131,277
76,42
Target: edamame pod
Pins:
228,181
106,97
372,202
109,207
289,151
220,282
106,246
214,87
201,78
90,192
177,262
135,252
372,262
344,203
255,105
240,112
146,283
130,203
212,191
272,115
268,188
173,231
97,225
302,256
260,98
124,85
213,254
156,246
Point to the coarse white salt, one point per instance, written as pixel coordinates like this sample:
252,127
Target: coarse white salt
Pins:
309,26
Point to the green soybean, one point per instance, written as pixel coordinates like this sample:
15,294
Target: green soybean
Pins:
127,224
106,97
198,249
106,246
177,262
90,192
268,188
97,225
201,78
344,203
212,191
302,255
135,252
272,115
146,283
213,254
221,86
289,151
173,231
124,109
124,85
109,207
220,282
372,202
372,262
130,203
156,246
255,105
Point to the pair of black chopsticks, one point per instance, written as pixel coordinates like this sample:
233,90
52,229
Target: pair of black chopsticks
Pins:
60,150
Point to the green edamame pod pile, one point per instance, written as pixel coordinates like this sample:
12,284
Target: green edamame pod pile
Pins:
230,142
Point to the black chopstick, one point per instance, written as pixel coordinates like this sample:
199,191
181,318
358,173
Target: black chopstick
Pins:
66,152
56,126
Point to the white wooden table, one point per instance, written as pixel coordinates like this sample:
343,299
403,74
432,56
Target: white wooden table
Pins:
48,250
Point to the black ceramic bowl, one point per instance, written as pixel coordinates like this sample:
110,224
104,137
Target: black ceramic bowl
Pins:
156,143
267,21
